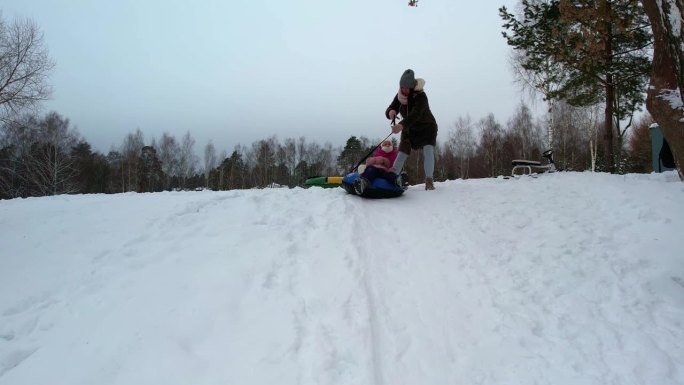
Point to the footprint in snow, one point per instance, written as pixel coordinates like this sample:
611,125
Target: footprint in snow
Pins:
14,359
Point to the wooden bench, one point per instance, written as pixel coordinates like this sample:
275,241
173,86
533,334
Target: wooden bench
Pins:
527,166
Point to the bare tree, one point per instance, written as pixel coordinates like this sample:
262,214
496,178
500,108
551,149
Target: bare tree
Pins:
291,159
188,160
523,128
490,144
576,140
131,150
24,67
37,156
261,159
543,82
169,153
462,143
50,168
590,120
316,160
209,160
302,168
328,156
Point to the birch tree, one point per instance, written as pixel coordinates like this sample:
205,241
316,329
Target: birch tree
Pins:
50,168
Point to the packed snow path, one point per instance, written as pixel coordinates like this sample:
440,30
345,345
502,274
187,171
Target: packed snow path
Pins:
569,278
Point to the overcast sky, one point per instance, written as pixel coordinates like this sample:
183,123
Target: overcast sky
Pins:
240,71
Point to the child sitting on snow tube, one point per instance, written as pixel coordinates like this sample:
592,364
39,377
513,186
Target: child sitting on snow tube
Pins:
378,166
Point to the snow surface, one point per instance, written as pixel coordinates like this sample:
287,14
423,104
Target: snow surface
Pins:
568,278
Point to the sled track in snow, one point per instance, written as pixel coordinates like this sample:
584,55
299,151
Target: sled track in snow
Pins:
373,325
361,249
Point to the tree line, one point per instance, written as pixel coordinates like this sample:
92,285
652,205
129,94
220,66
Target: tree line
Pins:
42,156
617,54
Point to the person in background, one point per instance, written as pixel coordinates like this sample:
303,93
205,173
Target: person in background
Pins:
378,166
418,126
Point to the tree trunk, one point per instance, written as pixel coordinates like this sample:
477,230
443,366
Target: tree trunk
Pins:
608,138
609,156
664,99
549,120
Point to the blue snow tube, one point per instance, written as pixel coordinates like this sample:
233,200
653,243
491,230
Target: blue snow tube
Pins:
378,189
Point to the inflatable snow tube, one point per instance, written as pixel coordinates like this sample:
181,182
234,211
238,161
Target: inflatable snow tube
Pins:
324,181
378,189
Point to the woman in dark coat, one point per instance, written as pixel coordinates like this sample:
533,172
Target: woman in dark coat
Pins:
418,127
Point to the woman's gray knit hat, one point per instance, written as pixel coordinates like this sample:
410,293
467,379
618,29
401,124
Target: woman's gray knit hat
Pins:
408,79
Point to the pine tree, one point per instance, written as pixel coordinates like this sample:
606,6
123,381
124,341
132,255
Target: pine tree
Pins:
597,50
351,154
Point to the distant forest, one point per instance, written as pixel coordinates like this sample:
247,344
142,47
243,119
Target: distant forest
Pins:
42,156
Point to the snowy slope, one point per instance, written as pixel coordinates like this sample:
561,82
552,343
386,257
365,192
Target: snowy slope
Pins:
569,278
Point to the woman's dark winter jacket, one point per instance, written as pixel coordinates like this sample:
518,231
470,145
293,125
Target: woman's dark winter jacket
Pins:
420,126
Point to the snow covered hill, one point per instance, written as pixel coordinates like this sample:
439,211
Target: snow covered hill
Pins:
569,278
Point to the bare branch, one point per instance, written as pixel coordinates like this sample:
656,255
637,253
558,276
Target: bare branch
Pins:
24,67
